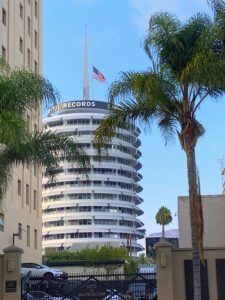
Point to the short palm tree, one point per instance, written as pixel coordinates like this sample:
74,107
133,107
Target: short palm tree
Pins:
186,69
21,90
163,217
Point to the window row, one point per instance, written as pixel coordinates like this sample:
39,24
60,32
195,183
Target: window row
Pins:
84,196
81,183
35,65
78,235
82,222
27,231
21,12
27,194
73,122
76,209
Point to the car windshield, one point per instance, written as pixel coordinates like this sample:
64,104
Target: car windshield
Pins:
44,266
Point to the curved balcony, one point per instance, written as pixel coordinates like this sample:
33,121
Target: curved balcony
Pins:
138,188
137,143
138,166
137,154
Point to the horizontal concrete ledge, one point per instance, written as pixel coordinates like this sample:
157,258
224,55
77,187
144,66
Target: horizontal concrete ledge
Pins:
163,243
12,249
205,249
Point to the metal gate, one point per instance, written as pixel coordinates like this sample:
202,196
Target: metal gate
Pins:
114,286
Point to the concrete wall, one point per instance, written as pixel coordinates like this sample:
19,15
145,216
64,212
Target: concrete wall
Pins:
1,275
88,269
214,221
10,273
171,277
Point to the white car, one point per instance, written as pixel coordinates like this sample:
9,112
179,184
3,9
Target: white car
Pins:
39,295
41,270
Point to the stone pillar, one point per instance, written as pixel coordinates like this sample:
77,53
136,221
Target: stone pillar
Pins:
12,273
164,270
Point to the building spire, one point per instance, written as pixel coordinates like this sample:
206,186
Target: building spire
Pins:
86,81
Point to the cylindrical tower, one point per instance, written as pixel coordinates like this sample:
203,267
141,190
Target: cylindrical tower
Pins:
100,207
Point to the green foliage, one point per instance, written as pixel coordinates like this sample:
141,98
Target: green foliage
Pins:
103,253
21,91
163,216
132,263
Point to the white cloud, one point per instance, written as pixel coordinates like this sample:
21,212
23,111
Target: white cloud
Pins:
182,8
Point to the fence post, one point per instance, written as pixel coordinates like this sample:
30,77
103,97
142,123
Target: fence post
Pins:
12,273
164,271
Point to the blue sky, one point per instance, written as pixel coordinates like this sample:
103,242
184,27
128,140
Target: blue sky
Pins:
116,30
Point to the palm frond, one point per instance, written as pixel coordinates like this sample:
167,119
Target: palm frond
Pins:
48,149
162,29
13,129
217,5
21,89
5,173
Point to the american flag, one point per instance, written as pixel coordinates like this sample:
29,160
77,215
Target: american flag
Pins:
98,75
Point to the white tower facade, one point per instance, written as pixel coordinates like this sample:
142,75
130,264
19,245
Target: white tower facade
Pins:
100,207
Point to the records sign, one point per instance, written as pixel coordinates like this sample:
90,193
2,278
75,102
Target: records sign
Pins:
78,104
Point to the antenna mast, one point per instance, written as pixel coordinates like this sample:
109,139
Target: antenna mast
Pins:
86,81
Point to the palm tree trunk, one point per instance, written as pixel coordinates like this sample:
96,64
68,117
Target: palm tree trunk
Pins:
193,197
163,231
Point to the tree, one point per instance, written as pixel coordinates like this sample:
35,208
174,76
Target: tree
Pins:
163,217
185,71
20,91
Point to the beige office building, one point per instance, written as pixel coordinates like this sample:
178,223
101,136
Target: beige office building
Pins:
20,45
214,221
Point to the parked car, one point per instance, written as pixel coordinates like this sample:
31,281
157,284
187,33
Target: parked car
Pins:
138,291
113,295
38,295
42,270
147,268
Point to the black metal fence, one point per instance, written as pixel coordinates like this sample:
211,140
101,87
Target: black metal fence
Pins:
116,286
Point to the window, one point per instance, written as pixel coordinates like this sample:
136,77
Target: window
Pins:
19,188
35,200
35,169
28,236
3,16
28,58
21,45
35,39
2,222
21,11
3,52
35,238
35,9
35,128
35,67
20,230
27,194
28,26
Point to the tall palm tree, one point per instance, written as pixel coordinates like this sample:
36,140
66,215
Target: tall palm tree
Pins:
21,90
185,71
163,217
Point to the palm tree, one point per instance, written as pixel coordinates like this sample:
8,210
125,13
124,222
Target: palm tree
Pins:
163,217
21,90
185,71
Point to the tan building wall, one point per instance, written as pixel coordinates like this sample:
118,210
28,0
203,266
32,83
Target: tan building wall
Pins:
21,44
171,275
214,221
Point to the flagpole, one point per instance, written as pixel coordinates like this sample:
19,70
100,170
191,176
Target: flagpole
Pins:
92,85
